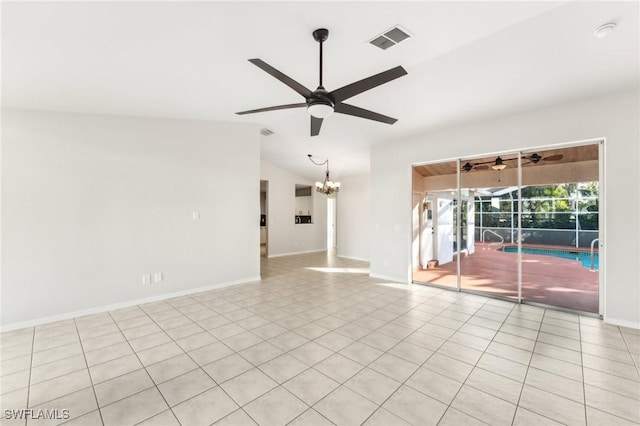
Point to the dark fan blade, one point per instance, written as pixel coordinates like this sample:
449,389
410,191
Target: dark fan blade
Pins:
273,108
556,157
344,93
480,167
484,162
316,123
283,78
363,113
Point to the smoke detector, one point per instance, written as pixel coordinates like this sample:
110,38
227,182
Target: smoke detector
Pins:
605,30
390,37
266,132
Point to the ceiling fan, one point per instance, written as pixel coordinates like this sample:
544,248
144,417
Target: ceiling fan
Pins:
535,158
499,162
320,103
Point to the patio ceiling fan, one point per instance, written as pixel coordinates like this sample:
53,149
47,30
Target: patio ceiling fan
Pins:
535,158
499,162
320,103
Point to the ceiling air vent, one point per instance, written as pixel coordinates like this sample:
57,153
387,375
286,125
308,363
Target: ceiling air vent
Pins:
266,132
390,38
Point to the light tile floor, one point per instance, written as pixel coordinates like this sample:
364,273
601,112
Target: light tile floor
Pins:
319,342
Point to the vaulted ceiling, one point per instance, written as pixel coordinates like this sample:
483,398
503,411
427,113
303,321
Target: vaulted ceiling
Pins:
465,60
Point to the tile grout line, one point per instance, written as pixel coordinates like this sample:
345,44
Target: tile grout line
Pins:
57,377
93,389
390,321
289,330
198,367
421,365
239,296
312,367
33,343
584,385
524,380
626,344
338,352
145,369
367,366
498,330
453,302
185,353
473,368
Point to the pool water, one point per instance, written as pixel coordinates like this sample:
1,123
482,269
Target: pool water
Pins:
582,256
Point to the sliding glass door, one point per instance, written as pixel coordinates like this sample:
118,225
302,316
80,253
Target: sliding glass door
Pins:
435,226
516,225
559,194
486,190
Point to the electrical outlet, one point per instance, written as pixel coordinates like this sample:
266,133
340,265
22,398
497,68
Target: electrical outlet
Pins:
157,277
146,279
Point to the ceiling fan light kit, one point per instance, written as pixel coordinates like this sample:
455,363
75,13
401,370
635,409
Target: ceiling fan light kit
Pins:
499,164
320,103
320,109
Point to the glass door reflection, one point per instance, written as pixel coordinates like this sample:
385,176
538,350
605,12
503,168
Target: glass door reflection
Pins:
434,237
560,225
488,225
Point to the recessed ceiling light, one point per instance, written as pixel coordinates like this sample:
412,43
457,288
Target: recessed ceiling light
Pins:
605,30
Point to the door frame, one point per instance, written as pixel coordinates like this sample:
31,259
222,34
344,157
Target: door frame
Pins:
601,142
332,218
266,211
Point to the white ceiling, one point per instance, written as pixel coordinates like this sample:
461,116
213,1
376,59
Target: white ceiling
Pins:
466,61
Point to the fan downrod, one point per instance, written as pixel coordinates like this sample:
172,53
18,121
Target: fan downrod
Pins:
320,35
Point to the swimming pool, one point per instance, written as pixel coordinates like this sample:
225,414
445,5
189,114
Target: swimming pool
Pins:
582,256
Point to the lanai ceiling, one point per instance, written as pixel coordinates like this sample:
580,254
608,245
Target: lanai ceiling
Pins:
465,60
554,166
560,158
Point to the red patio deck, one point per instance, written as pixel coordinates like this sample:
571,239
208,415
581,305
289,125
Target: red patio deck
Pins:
545,279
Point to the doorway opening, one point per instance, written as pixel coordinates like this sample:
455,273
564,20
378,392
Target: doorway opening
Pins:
331,223
524,226
264,228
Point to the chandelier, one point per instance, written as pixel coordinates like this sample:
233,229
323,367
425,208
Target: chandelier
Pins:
328,187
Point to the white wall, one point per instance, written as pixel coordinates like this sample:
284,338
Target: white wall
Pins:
614,117
303,206
285,237
354,212
91,203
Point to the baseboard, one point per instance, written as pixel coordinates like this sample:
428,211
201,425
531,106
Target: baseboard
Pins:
622,323
127,304
353,258
387,278
295,253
